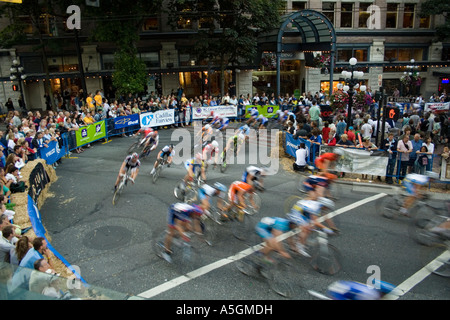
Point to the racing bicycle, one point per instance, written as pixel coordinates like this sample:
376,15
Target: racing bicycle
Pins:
159,167
123,182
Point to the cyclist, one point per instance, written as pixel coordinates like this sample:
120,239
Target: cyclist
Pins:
252,174
192,165
254,113
237,192
151,138
269,228
131,162
235,142
324,162
180,219
305,213
208,151
352,290
206,192
415,186
168,151
205,134
244,130
222,123
263,121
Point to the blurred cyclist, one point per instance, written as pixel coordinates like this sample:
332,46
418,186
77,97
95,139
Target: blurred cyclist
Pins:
193,166
168,151
237,192
131,162
206,192
180,219
252,174
352,290
208,151
415,185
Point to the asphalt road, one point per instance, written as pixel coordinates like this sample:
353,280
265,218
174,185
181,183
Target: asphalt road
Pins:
112,244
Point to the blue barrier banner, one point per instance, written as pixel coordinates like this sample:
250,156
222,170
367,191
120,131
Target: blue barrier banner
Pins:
52,153
126,121
39,230
291,144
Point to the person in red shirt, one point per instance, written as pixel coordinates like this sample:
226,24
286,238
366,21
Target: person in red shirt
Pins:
325,131
351,134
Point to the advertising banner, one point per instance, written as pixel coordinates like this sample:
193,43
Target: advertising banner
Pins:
354,160
220,111
126,121
90,133
158,118
52,153
437,106
267,111
292,144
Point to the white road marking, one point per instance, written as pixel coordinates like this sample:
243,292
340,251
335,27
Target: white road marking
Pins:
220,263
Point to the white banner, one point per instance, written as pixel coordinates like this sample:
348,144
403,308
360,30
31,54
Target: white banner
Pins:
158,118
437,106
221,111
354,160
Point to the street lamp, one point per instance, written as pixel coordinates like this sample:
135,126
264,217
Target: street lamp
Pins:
411,75
351,79
18,74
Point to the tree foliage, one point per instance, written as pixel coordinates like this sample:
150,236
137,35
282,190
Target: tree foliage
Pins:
438,7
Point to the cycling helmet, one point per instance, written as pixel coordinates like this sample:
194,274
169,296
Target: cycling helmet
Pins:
135,155
171,146
215,144
197,209
432,175
326,202
155,132
220,187
351,290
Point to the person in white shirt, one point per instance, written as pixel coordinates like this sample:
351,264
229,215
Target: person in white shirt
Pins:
301,155
366,129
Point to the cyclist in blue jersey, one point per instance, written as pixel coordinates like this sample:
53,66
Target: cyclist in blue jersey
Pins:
305,213
352,290
269,228
180,218
263,121
415,185
193,165
252,174
254,113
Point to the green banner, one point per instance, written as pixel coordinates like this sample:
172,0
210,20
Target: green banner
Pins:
267,111
90,133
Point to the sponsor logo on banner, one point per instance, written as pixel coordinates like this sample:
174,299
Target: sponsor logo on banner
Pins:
220,111
437,106
158,118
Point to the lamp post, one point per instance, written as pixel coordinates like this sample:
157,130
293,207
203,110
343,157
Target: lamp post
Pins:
351,79
411,73
18,74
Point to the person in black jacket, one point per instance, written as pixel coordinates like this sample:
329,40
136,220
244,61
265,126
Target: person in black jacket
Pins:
390,145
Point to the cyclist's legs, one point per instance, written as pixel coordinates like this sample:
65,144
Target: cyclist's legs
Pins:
122,172
134,172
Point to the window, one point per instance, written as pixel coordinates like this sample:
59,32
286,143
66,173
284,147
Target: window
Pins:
346,15
425,22
345,54
363,14
391,15
328,10
150,24
404,54
408,15
151,59
298,6
108,61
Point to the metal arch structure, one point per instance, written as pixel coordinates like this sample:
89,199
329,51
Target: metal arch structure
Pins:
317,33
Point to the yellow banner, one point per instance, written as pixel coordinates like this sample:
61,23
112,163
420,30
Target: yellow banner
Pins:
12,1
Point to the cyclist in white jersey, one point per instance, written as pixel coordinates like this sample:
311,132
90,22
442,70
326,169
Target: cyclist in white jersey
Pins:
168,151
131,162
208,150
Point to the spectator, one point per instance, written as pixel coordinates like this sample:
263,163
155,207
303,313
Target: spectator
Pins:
367,144
345,142
325,130
421,160
301,155
6,243
340,127
12,173
351,135
38,142
366,129
331,139
38,251
390,144
417,144
41,278
430,152
300,132
404,147
314,112
20,250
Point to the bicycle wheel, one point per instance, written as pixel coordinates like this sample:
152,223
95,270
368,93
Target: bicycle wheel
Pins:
436,259
185,256
190,194
243,226
423,219
179,191
279,280
145,152
134,147
248,265
325,258
118,192
289,203
253,209
389,207
209,230
157,172
158,244
299,182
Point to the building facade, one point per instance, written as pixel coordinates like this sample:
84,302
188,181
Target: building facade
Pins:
383,35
